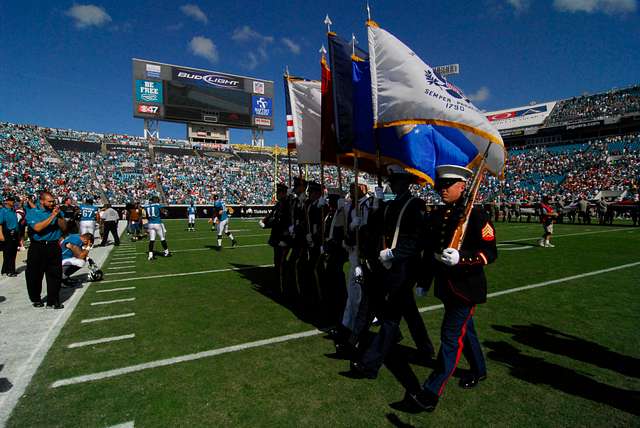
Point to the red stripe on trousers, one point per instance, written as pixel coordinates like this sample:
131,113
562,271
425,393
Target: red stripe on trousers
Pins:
460,346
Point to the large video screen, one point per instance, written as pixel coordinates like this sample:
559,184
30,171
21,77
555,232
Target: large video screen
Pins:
189,95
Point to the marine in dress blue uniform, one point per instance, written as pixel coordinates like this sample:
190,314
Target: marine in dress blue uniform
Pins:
459,282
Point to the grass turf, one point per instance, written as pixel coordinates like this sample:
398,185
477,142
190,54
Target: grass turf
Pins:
567,354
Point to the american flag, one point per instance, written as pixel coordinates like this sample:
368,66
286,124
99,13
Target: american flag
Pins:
291,135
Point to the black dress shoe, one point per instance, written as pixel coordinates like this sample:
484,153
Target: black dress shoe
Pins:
470,380
12,275
38,304
358,371
426,401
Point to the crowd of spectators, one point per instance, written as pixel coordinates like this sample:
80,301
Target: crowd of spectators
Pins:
124,173
597,106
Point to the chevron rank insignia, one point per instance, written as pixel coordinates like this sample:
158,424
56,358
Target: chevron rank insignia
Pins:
487,233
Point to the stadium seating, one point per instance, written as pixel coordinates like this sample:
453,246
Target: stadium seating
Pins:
591,107
118,169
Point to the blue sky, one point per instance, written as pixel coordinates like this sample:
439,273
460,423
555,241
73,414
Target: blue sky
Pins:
65,64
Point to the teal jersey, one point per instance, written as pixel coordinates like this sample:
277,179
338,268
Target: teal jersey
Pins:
8,218
73,240
220,206
191,210
153,213
50,233
88,212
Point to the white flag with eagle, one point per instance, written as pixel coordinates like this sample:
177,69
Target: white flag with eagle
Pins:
407,91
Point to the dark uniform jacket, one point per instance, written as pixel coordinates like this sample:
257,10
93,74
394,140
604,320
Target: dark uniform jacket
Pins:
313,222
278,220
464,283
297,220
411,236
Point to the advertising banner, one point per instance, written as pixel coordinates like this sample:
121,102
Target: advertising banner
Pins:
207,80
262,106
520,116
148,91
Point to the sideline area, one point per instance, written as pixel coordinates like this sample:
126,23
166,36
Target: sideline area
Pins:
28,332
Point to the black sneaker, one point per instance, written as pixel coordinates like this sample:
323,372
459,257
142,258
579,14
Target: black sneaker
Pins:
38,304
234,243
57,306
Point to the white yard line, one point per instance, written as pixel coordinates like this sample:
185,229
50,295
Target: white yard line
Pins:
235,348
123,258
108,302
213,237
189,250
116,289
99,341
122,262
129,424
111,317
122,273
202,272
129,266
562,236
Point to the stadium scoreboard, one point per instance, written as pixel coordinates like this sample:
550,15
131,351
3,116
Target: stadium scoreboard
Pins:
190,95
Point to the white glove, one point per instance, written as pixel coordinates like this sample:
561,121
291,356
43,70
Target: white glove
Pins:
321,249
450,256
379,192
261,223
282,244
322,201
309,239
357,272
291,228
340,203
386,255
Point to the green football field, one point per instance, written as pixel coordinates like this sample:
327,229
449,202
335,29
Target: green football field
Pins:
195,343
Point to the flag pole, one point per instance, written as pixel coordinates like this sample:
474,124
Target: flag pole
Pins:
286,74
275,174
461,229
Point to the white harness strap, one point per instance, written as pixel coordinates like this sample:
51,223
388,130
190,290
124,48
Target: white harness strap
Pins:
394,243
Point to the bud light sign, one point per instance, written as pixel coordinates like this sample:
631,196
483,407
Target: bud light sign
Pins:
150,92
261,106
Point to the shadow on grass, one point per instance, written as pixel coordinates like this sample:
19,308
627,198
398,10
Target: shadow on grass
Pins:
265,282
537,371
550,340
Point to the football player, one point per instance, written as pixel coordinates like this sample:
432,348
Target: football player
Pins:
191,215
222,224
88,217
156,228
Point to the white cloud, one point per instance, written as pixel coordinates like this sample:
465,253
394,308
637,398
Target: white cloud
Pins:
246,34
610,7
204,47
291,45
480,95
88,15
520,6
260,42
194,11
175,27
